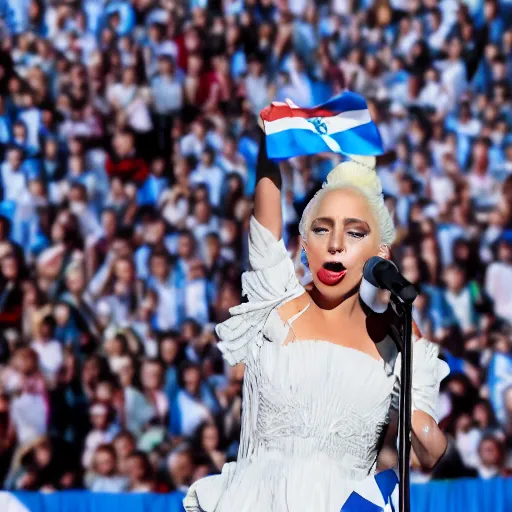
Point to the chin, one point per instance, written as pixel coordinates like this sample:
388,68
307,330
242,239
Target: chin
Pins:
342,290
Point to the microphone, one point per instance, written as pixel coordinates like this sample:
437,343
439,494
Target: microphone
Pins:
384,274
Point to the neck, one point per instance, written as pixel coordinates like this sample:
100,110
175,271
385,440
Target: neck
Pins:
346,307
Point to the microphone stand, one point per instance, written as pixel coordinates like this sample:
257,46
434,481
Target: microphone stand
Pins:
404,311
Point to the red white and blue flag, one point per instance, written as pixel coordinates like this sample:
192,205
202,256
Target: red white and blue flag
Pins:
342,125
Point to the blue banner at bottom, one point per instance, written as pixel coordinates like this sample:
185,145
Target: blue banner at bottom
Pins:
465,495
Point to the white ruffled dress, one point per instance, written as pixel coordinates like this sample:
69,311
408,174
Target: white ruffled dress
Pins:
314,412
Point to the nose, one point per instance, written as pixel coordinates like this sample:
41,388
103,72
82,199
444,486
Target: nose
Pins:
335,243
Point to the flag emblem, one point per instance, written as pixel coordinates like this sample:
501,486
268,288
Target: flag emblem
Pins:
342,125
319,125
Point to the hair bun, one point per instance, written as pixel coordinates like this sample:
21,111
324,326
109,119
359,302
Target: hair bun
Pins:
359,171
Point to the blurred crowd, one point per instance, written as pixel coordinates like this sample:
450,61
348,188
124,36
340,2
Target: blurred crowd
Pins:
128,143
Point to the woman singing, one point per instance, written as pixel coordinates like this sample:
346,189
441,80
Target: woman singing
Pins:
318,391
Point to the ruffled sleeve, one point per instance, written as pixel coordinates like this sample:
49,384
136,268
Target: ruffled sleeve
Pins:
270,281
427,373
204,495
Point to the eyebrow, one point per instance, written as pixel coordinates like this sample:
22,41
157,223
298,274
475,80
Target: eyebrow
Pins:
346,222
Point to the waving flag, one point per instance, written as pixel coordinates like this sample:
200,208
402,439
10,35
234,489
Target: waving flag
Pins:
342,125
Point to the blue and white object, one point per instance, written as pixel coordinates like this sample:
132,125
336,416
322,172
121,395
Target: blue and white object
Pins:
342,125
378,493
499,379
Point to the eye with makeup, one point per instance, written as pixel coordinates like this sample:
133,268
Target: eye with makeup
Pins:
358,235
356,228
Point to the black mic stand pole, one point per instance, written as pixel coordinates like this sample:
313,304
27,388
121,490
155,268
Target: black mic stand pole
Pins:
404,310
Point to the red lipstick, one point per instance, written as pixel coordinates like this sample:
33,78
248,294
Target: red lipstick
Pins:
329,277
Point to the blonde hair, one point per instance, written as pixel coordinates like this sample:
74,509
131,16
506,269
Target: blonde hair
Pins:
359,173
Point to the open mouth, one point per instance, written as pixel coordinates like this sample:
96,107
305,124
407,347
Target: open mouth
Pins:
334,266
331,273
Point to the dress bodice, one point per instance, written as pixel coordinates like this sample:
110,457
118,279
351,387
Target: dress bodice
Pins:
315,396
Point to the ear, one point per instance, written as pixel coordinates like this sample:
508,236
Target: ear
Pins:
384,252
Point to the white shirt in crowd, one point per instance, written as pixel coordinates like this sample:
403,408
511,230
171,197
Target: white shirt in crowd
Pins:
213,178
196,301
453,77
13,182
167,310
29,415
462,306
32,119
50,356
497,286
167,94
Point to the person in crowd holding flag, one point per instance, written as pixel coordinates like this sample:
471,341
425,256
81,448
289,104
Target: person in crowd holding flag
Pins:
322,376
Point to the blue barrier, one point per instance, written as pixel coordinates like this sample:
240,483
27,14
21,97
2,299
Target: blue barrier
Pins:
465,495
83,501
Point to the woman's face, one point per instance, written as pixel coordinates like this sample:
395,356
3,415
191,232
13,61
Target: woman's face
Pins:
136,471
489,452
25,363
124,446
481,415
126,374
342,234
9,267
192,379
75,281
123,271
429,246
461,251
104,392
113,347
463,424
91,370
105,463
169,350
43,455
234,184
151,376
210,438
410,269
129,76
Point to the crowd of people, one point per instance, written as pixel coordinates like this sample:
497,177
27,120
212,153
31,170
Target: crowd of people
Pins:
128,143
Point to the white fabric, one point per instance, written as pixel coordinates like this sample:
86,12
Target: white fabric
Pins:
307,437
9,503
497,286
192,413
13,182
50,356
29,414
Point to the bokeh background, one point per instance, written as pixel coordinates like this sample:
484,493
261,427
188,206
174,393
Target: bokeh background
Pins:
128,142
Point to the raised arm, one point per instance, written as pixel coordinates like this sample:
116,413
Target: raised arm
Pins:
267,196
